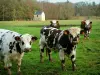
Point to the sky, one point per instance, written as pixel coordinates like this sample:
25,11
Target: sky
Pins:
73,1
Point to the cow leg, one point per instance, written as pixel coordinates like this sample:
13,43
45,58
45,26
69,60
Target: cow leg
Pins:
9,71
88,34
19,65
85,35
41,53
7,64
73,58
62,58
49,54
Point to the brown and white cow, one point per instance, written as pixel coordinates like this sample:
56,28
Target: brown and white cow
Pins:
86,27
65,41
12,47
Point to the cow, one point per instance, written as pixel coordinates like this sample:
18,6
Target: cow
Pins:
65,41
86,27
13,45
55,24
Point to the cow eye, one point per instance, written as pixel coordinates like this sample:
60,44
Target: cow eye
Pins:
22,43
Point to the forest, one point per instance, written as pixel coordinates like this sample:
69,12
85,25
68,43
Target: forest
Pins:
11,10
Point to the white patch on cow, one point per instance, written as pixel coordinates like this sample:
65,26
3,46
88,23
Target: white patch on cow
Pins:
60,35
54,22
54,28
55,38
74,31
87,22
26,38
73,53
47,28
42,41
61,54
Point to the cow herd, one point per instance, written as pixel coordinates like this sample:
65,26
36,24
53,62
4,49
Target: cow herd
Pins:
13,45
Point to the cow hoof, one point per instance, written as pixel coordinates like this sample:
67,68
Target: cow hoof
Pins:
63,69
51,60
41,61
19,73
74,68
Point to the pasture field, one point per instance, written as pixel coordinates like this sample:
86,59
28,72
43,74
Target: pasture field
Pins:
88,51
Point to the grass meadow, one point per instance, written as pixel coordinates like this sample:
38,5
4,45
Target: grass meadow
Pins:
88,51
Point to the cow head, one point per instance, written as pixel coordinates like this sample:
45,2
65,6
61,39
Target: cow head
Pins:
73,34
24,42
55,24
86,24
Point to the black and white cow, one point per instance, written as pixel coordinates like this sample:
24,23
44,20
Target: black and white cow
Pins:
12,47
63,40
55,24
86,26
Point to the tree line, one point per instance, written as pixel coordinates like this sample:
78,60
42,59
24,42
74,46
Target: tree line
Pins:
24,9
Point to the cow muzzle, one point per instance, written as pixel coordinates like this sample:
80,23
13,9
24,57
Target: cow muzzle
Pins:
27,49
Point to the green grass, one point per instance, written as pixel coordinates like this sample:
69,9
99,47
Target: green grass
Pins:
32,23
88,52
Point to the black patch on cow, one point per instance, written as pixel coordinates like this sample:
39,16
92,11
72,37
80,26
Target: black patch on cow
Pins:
72,57
18,48
45,31
13,35
7,31
69,48
0,49
42,50
22,43
64,41
11,32
48,50
63,61
11,45
53,37
0,42
3,35
10,51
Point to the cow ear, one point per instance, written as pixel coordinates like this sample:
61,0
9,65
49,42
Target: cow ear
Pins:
34,38
91,22
51,22
17,38
66,32
57,21
83,22
82,32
